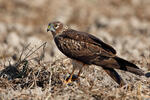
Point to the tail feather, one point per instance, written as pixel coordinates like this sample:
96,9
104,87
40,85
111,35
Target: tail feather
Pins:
147,74
128,66
114,75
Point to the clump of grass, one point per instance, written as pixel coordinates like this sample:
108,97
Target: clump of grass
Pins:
24,72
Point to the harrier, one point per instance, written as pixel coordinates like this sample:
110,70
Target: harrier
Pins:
90,50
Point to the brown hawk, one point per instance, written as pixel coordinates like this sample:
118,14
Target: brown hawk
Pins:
88,49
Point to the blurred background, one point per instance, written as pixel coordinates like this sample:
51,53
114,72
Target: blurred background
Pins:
121,23
124,24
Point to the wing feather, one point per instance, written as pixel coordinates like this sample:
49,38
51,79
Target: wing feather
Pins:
83,36
82,46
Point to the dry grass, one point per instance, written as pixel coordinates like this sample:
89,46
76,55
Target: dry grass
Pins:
37,71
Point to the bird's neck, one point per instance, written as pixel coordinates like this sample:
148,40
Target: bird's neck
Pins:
54,34
58,32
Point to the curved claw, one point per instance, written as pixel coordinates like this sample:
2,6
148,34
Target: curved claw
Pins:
71,78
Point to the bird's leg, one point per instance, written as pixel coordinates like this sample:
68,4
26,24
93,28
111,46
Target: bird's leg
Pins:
69,80
80,71
78,75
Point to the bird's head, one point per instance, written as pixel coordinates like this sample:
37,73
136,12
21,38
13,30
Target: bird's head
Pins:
56,28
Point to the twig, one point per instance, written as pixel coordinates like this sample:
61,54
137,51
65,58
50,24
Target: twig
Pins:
23,52
35,50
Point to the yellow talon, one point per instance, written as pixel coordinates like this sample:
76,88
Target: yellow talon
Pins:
68,80
72,77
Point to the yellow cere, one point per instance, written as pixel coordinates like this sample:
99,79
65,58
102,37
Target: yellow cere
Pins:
48,26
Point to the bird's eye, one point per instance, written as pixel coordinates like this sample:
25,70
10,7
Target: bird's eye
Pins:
56,26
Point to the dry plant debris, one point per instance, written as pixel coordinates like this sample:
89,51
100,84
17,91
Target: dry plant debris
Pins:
122,23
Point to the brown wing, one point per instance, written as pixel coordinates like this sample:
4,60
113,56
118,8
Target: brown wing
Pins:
83,46
88,38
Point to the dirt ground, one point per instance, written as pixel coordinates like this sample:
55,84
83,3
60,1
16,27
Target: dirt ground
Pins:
32,68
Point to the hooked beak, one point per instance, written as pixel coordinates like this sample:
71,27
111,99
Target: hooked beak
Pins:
50,28
47,30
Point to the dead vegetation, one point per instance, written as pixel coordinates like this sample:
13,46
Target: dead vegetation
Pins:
31,69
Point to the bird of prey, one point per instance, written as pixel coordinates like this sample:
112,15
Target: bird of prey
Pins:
90,50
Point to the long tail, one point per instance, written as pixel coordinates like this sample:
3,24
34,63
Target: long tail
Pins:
128,66
111,63
114,75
